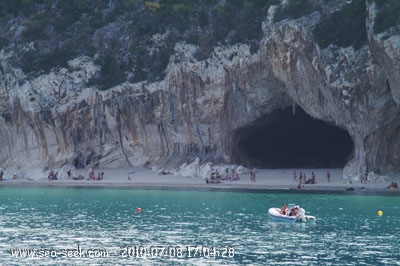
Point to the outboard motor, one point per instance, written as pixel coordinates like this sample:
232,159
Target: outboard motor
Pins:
301,215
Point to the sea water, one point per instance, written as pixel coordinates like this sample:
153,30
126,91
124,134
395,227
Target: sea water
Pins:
104,226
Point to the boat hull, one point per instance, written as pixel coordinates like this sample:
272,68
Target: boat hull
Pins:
274,213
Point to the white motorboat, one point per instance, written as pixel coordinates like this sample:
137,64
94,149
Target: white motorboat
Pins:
297,215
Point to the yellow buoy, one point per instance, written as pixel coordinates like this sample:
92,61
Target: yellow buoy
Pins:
380,213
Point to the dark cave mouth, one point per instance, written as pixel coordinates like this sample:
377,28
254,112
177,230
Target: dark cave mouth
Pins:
287,139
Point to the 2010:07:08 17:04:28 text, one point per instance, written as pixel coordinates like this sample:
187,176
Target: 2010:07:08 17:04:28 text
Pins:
177,251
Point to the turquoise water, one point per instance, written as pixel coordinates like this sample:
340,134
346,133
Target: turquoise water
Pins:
105,223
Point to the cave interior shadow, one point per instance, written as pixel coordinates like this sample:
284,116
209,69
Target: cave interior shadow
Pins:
290,138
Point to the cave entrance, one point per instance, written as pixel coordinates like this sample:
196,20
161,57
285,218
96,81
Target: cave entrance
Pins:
290,138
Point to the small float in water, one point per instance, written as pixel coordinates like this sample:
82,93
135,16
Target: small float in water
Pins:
293,214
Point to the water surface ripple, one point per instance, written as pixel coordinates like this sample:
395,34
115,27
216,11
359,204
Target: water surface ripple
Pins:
348,230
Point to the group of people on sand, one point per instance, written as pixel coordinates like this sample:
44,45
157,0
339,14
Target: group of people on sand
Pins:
91,176
216,176
2,174
52,175
303,179
364,178
290,212
393,185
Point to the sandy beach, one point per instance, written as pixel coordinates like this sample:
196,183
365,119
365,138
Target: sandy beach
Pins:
141,177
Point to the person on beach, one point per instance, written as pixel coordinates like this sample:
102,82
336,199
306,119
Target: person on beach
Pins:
300,185
227,177
328,176
52,175
313,181
253,175
218,174
79,177
212,178
69,175
393,185
294,176
235,176
100,176
1,175
91,174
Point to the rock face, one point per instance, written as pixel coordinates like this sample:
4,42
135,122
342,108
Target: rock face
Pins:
56,119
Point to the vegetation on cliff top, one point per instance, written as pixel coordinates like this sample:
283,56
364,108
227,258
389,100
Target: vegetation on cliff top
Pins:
120,34
387,16
132,39
345,27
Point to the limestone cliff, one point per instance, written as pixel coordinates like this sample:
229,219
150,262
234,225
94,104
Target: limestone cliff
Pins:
56,118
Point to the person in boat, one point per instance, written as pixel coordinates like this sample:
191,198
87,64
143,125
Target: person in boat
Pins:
283,209
294,210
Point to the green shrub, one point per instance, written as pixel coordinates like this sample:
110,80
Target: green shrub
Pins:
148,65
223,17
16,7
387,16
33,61
151,6
111,73
35,28
3,42
182,11
344,28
